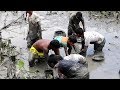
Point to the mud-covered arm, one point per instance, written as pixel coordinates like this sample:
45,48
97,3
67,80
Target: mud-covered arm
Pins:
83,23
65,49
69,49
71,21
59,74
39,29
39,25
84,49
82,59
25,16
74,47
56,51
70,27
86,44
45,51
83,42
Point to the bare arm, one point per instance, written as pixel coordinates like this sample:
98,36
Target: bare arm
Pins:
71,27
71,21
82,59
66,52
84,49
83,41
45,51
57,52
69,49
39,30
83,23
59,74
74,48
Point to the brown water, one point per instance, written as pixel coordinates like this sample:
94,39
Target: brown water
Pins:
107,69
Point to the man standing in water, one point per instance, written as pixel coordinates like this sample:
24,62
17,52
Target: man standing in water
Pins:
74,23
34,32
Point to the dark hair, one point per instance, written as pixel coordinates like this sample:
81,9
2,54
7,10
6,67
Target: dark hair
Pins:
55,44
79,31
73,38
29,11
65,67
53,60
79,14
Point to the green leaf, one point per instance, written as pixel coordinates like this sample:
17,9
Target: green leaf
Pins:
20,64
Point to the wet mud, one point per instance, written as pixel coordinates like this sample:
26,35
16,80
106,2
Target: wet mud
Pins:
106,69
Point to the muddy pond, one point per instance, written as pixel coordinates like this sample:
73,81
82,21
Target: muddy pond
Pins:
107,69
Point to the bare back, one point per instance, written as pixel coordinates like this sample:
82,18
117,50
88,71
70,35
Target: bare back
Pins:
42,44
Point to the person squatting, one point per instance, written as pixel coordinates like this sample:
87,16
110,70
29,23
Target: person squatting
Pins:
72,66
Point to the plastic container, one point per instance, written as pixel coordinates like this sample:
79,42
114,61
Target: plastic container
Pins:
59,33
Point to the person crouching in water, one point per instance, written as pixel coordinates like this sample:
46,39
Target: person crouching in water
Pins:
40,49
73,66
66,42
91,37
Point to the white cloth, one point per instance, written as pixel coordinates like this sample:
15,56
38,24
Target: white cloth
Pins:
77,58
34,18
92,36
74,57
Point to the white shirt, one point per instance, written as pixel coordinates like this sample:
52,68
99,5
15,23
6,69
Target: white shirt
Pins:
74,57
34,18
92,36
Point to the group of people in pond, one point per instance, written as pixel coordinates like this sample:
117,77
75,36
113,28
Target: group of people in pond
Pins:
72,66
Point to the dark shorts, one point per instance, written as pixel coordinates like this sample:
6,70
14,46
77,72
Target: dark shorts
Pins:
83,53
99,47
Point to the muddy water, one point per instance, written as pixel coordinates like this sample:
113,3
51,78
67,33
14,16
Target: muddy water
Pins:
107,69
